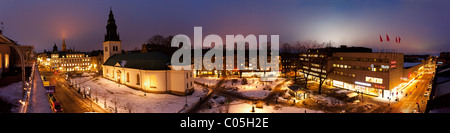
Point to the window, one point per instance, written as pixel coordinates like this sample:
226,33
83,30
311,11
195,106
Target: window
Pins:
106,49
128,77
6,60
138,80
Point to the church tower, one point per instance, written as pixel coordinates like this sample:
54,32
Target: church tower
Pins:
64,45
112,44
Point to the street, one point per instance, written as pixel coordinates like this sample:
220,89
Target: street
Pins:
408,104
71,101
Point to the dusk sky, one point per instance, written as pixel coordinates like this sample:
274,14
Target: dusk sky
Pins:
423,25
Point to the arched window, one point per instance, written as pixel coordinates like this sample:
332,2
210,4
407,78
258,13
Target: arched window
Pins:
138,79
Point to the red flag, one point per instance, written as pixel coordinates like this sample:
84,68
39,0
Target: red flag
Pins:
387,38
381,39
399,39
396,39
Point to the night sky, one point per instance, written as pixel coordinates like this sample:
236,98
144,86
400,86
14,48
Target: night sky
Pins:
423,25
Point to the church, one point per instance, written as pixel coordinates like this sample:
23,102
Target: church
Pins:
150,72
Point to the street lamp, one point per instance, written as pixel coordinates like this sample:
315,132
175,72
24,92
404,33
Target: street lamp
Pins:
185,95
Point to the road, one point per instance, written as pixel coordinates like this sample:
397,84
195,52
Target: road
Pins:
408,104
71,101
199,105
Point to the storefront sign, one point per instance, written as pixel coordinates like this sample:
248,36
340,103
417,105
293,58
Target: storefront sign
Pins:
393,62
392,66
384,67
380,86
362,83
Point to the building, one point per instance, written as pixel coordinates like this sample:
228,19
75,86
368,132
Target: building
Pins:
355,68
376,74
439,101
112,44
70,62
250,70
96,60
147,71
444,58
5,54
65,61
316,63
10,60
412,70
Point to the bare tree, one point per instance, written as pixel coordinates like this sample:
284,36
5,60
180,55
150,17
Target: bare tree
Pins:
167,41
306,58
156,40
323,75
129,106
115,101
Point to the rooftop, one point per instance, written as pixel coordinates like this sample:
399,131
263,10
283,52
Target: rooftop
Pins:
144,61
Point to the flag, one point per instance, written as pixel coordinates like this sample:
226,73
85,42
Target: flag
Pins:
399,39
381,39
396,39
387,38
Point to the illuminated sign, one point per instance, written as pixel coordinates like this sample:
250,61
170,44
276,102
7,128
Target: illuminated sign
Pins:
393,62
392,66
374,80
380,86
440,62
384,66
362,83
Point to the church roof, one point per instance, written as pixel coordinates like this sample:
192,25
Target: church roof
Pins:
144,61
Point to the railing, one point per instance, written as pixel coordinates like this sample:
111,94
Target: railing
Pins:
27,91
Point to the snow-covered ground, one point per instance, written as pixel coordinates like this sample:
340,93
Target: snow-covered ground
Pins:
12,94
210,81
240,107
138,101
255,88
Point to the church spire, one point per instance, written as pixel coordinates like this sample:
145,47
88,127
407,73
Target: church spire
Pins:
64,45
111,28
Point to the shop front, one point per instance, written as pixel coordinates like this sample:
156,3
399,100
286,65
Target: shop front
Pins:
365,88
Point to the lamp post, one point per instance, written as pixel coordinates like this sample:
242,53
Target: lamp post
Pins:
185,95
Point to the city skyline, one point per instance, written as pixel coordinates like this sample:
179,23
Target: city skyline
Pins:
421,24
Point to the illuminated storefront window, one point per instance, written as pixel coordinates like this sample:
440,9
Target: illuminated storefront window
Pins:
338,83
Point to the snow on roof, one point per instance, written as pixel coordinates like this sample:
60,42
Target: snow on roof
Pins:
410,64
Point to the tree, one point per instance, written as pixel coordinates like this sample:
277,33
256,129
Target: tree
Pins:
129,106
115,101
167,41
306,59
323,75
156,40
